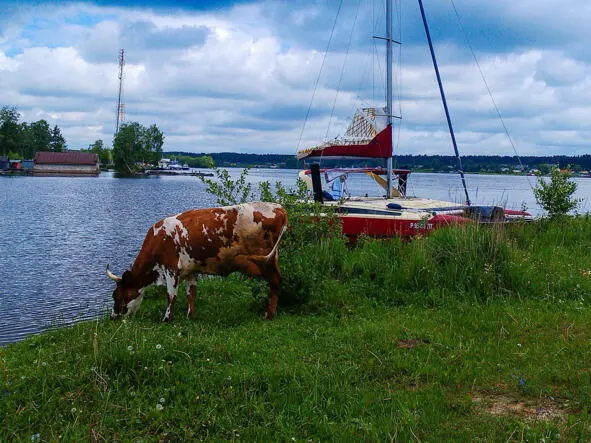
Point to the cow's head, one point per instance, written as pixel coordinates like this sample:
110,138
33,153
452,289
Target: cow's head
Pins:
126,297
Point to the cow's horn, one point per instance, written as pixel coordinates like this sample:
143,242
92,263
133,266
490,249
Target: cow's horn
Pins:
112,276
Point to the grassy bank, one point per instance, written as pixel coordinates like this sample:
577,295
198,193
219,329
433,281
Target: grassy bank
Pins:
467,334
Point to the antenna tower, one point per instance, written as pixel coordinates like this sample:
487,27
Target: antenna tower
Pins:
120,105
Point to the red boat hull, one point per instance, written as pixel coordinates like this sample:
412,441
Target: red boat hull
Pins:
353,226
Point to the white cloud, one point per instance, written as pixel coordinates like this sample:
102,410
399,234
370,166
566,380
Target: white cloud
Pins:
229,81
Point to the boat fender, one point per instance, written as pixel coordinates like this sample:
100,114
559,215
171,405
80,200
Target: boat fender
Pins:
394,206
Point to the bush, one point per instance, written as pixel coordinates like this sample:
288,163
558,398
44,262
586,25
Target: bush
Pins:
556,196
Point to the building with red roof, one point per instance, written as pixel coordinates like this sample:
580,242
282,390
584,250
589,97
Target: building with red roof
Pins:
71,163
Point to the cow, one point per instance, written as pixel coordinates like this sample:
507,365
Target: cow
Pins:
214,241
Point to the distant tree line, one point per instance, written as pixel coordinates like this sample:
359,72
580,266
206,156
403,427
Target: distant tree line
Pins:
20,140
426,163
232,159
201,161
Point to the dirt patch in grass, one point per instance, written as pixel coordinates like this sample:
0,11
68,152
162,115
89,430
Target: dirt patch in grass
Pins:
411,343
544,409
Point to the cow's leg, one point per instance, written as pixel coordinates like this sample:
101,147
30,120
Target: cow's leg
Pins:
191,291
260,266
171,289
273,277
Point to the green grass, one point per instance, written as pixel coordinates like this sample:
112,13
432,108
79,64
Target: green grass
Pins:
471,334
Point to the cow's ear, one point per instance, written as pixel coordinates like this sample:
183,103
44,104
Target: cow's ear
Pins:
126,277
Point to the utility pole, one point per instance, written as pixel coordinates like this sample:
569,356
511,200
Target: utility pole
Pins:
120,105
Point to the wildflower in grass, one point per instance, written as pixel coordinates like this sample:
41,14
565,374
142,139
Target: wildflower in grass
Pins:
158,346
180,334
35,437
43,364
73,410
130,348
162,400
159,407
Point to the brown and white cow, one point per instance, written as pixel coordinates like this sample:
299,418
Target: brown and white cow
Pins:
215,241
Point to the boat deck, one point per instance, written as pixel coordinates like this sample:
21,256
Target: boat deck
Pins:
412,207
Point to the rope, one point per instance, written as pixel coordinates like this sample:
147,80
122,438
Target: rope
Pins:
461,26
319,74
342,71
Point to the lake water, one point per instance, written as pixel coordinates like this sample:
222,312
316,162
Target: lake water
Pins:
57,233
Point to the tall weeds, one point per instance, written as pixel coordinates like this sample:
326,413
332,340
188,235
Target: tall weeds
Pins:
474,263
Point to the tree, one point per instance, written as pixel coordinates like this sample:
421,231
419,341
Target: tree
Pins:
39,138
57,142
10,130
153,139
134,146
556,196
99,149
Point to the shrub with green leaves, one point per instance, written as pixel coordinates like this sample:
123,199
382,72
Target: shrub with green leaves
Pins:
556,195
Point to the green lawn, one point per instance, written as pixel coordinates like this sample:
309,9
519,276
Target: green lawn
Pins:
472,334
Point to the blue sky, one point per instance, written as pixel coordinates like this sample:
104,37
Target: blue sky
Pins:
239,76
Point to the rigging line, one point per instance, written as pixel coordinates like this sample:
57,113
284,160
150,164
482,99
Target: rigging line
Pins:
319,73
461,26
399,84
342,70
373,53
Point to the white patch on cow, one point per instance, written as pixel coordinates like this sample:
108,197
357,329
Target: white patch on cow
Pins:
165,277
174,228
205,230
245,223
185,260
134,305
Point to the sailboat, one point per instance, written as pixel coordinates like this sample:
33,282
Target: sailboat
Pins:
369,137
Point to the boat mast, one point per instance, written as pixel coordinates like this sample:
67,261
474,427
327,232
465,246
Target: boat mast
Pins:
389,91
451,129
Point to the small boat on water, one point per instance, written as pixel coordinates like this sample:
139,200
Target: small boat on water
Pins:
369,137
192,172
173,167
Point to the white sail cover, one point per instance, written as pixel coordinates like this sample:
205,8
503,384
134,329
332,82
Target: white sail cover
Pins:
367,123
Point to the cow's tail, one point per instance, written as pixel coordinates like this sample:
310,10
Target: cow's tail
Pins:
271,254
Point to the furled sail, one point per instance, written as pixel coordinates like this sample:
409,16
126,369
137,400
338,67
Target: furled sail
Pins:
368,136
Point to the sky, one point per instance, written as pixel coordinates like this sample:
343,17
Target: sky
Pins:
256,77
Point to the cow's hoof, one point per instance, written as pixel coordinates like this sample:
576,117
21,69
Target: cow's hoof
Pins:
269,315
167,319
